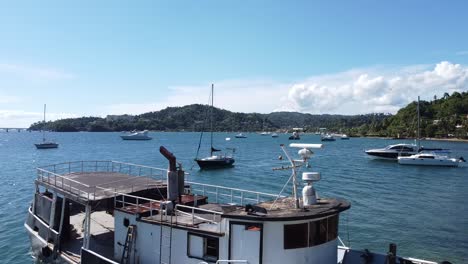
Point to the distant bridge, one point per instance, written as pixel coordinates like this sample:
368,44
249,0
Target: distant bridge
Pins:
12,129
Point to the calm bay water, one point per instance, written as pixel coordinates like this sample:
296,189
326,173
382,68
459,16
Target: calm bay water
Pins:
421,209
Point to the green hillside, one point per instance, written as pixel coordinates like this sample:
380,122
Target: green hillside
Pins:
442,117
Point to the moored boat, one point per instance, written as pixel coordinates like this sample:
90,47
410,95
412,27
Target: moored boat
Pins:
138,135
240,135
327,137
294,136
213,161
430,159
393,151
45,144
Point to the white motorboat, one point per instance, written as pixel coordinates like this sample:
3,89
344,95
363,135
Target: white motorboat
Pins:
430,159
113,212
394,151
327,137
240,135
344,137
138,135
274,135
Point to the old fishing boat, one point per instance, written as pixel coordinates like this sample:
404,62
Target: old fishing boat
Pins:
113,212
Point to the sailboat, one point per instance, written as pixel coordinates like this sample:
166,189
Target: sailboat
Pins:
214,161
45,144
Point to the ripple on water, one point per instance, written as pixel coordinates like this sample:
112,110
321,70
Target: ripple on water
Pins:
421,209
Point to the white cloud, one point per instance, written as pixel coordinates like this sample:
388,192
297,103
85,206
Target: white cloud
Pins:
357,91
16,118
34,72
365,91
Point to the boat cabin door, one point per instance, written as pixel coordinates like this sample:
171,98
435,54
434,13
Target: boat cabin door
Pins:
245,242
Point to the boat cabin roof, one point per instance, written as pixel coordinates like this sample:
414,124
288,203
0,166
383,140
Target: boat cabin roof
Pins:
99,180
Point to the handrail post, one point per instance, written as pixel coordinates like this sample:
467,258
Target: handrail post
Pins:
81,166
258,198
217,192
232,192
193,215
69,167
242,198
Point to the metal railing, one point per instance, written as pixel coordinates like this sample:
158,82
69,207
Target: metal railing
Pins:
56,175
194,210
230,195
125,200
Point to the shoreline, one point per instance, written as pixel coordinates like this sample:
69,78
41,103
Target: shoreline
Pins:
434,139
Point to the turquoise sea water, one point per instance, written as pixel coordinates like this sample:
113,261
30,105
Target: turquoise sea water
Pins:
421,209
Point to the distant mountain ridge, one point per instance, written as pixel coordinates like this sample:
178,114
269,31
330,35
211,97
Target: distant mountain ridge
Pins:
444,117
195,118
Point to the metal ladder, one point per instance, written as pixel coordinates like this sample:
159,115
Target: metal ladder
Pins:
165,240
128,246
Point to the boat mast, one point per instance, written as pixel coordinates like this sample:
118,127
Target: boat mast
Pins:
419,130
43,125
211,119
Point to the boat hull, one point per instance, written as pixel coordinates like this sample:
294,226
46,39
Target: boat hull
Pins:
388,155
136,137
46,145
215,163
428,162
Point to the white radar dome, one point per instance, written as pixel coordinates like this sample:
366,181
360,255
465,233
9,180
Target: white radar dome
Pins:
305,153
311,176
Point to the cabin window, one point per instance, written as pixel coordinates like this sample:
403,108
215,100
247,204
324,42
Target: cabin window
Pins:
202,247
311,234
296,236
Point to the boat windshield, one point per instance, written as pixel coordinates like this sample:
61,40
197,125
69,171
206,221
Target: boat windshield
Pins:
401,148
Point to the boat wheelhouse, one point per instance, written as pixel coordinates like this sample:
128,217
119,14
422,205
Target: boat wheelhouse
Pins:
113,212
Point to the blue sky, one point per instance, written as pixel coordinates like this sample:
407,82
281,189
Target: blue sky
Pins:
113,57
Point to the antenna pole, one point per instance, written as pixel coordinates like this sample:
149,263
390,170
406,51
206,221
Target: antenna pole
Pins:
43,126
211,118
419,130
294,176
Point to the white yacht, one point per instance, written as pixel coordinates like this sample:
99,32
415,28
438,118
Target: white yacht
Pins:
274,135
393,151
430,159
138,135
240,135
327,137
111,212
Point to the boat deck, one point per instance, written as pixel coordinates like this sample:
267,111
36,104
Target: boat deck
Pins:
284,209
102,236
99,185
